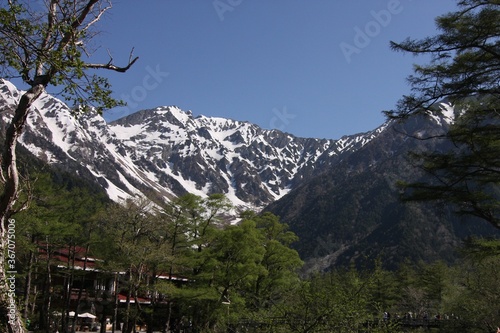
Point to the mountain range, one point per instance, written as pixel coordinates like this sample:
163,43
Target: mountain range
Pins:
169,152
339,196
353,213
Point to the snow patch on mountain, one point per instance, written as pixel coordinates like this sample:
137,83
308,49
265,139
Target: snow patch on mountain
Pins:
445,115
168,152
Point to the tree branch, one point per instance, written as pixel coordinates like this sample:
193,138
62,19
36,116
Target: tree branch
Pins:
112,67
65,40
81,18
98,17
51,17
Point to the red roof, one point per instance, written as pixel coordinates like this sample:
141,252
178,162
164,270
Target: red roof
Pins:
123,298
63,256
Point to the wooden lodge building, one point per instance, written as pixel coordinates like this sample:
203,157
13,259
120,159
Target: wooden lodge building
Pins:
70,281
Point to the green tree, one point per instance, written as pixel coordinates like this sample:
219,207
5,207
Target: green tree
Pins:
59,219
334,302
235,270
383,290
132,234
464,70
279,262
177,219
201,300
235,260
45,48
475,292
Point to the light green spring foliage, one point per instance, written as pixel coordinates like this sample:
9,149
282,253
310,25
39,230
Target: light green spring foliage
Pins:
247,272
48,43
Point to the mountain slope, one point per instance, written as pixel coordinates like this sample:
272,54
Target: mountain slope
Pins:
338,196
166,152
353,213
216,155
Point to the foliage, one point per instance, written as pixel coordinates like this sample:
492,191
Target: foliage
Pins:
243,276
464,58
464,72
230,271
466,176
477,291
51,46
45,47
60,219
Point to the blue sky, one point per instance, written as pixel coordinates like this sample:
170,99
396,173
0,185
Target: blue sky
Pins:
317,68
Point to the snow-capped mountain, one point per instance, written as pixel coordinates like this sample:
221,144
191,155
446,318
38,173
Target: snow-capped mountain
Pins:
338,196
167,152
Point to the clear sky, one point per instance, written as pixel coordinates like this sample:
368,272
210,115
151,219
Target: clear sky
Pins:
316,68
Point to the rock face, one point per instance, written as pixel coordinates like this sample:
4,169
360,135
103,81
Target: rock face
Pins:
338,196
167,152
352,214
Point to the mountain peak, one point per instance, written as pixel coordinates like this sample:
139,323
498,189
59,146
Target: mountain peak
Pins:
168,152
338,196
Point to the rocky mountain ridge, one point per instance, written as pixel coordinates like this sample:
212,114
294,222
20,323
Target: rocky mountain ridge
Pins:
167,152
338,196
354,213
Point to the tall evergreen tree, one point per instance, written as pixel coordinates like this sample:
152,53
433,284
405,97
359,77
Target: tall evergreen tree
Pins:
463,70
279,262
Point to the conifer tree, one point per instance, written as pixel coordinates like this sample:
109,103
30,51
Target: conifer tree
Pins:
280,263
464,72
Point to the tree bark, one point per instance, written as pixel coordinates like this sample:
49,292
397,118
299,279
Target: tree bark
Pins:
27,283
45,317
10,318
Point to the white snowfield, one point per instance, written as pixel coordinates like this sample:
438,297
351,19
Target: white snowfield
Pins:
170,152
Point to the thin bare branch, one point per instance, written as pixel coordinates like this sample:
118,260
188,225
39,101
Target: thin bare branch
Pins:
98,17
81,18
65,40
112,67
51,17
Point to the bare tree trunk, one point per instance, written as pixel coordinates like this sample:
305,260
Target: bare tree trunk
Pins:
11,322
71,267
126,322
27,286
169,318
45,317
117,302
